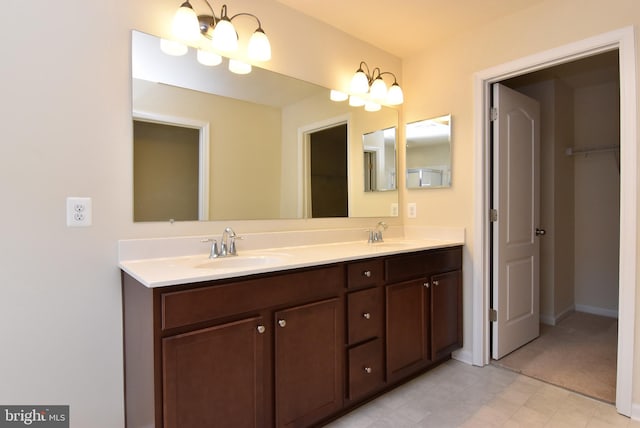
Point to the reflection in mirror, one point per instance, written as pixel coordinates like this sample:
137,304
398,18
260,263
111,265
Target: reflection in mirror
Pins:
428,153
256,128
379,160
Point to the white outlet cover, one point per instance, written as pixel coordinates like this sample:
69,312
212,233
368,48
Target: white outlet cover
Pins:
411,210
78,211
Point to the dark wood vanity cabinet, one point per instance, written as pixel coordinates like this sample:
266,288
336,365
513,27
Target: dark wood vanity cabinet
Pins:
423,309
287,349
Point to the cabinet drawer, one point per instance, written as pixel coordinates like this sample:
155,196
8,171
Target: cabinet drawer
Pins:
365,369
406,267
180,308
365,314
365,273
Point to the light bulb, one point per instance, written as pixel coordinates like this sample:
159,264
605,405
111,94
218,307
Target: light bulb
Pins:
359,83
171,47
395,96
338,95
239,67
224,36
209,58
378,89
259,48
355,101
185,25
371,106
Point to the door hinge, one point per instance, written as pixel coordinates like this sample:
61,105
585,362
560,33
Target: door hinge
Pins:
493,315
493,214
493,113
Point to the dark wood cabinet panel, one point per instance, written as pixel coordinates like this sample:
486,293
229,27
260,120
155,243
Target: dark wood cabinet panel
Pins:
365,315
446,313
366,369
215,377
407,327
308,363
365,273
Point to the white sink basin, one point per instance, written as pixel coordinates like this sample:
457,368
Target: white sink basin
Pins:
240,262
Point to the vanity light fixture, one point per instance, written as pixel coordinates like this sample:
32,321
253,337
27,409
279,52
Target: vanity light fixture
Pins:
219,33
371,82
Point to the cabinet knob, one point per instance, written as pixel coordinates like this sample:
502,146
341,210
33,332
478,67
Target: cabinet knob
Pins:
368,370
282,323
261,329
367,273
366,315
435,282
426,284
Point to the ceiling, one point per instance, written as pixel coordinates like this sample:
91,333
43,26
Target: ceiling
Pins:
404,27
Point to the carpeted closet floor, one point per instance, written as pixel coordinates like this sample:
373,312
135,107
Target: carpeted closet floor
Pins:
579,354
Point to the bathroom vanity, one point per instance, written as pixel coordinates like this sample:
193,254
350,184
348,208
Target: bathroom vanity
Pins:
287,346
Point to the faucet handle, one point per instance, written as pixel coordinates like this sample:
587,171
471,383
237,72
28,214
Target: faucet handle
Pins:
232,245
213,253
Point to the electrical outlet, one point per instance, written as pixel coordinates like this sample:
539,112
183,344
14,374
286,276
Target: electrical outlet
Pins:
78,212
412,211
394,209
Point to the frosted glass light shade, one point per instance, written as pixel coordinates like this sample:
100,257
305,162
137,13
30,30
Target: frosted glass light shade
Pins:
239,67
224,36
208,58
359,83
395,96
336,95
378,90
372,106
185,25
171,47
259,48
355,101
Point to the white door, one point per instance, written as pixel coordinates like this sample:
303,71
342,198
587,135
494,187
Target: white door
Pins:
516,197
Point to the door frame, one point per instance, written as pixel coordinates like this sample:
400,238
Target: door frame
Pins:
623,40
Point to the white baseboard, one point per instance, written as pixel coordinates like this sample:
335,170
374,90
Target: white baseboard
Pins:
635,411
553,320
597,311
463,356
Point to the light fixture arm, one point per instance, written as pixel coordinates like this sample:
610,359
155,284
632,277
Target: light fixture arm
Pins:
248,14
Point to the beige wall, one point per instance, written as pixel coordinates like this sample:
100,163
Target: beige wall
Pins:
446,74
66,131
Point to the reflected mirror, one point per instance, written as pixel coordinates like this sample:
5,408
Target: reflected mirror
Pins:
428,153
379,149
251,145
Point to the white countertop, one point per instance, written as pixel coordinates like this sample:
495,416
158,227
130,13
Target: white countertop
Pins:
174,270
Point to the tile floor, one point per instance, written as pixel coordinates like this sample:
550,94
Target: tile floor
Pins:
459,395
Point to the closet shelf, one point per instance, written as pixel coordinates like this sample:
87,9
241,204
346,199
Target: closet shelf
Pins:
570,151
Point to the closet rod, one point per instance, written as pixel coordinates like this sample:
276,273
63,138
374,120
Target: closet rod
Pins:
571,151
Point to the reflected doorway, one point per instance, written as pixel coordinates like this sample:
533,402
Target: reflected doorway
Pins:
328,172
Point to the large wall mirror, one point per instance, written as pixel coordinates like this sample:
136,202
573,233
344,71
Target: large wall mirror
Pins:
250,155
428,153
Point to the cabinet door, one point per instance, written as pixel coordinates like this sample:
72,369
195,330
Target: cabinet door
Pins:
446,313
215,376
309,363
407,327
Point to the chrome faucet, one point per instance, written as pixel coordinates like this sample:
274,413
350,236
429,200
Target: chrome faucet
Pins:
227,244
376,235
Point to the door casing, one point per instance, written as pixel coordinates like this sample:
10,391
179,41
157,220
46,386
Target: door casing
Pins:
623,40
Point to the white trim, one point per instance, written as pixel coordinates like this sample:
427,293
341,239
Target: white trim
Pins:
611,313
624,41
203,151
635,412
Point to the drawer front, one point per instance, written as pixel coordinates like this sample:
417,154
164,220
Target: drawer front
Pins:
365,273
405,267
365,314
210,302
366,372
